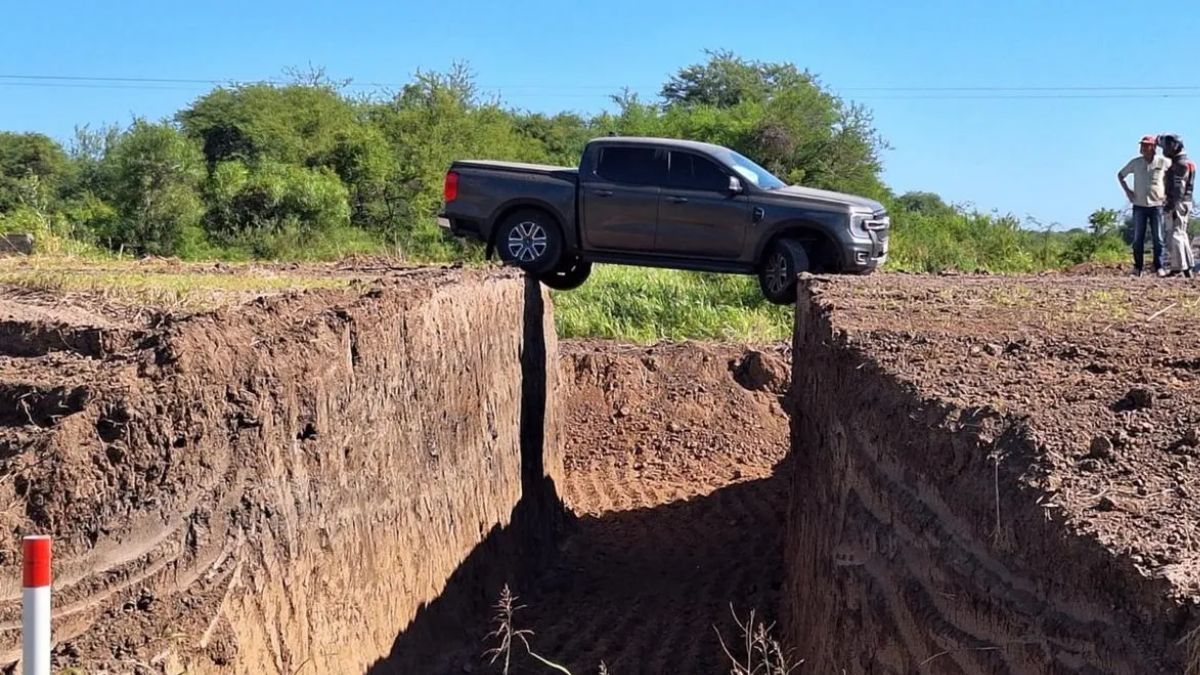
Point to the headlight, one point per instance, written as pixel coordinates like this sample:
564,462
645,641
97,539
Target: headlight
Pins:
865,223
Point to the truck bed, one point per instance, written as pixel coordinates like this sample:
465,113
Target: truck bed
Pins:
545,169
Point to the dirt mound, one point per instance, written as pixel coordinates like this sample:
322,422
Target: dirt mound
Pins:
1095,269
277,485
1014,476
674,468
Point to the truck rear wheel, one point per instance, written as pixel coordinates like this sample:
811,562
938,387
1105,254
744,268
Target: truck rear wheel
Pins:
531,240
785,260
568,275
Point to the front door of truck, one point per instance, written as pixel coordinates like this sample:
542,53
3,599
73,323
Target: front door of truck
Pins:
619,201
698,216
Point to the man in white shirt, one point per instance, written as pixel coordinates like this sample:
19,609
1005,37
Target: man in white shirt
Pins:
1148,194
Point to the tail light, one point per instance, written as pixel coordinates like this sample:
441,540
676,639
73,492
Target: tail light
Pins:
450,190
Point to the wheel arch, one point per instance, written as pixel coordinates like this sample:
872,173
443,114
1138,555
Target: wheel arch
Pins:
822,248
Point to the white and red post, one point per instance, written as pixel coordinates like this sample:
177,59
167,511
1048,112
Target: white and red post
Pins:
35,606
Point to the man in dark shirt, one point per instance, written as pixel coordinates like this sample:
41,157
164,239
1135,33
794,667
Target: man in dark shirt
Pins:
1180,181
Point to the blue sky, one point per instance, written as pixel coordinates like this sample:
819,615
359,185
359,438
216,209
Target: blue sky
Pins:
1051,153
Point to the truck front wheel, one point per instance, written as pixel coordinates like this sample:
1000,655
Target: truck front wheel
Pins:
530,240
777,274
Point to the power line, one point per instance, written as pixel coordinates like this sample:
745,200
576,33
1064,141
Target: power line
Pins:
542,85
575,90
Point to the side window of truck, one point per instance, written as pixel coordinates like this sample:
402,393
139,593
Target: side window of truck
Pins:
693,172
632,165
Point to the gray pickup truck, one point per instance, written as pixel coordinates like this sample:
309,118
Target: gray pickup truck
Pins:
662,203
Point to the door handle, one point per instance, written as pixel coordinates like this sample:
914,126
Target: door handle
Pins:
678,200
603,193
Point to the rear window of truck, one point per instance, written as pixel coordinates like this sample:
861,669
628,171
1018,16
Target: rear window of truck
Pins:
632,166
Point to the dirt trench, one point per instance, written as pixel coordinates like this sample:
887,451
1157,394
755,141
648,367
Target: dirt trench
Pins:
342,481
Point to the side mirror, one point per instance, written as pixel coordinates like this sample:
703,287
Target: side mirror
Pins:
735,185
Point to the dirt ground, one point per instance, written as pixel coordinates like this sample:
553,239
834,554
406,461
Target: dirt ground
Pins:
206,470
674,457
672,466
672,463
1107,371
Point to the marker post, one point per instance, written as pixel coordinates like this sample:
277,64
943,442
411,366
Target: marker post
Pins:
35,606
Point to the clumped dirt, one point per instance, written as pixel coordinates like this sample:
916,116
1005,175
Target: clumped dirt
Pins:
674,470
1026,447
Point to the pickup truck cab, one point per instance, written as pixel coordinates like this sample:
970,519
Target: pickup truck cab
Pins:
662,203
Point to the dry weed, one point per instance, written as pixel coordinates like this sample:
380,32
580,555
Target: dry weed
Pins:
507,634
762,653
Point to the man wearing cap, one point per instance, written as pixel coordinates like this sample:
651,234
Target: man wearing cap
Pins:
1148,194
1180,182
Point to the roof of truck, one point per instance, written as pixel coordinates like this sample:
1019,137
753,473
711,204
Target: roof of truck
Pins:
669,142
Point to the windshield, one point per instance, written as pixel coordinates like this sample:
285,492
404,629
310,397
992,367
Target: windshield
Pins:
754,173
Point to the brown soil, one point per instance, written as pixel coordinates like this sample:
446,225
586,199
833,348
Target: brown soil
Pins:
276,485
1000,450
674,469
987,475
1107,372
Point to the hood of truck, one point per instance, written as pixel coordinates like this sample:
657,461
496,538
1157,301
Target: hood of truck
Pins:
827,197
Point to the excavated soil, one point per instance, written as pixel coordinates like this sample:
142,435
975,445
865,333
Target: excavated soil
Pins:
978,475
673,464
1010,465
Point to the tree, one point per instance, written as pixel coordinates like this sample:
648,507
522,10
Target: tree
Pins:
727,80
774,113
151,174
928,203
436,119
292,123
23,156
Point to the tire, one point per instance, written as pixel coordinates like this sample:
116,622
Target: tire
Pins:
570,274
777,273
530,239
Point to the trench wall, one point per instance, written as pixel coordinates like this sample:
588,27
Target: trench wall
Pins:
916,544
290,486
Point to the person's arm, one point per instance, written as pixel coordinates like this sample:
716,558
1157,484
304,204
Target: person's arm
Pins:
1125,171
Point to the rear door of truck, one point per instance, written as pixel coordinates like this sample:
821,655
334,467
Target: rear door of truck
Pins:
618,197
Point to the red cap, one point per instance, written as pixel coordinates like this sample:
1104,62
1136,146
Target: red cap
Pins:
36,554
1149,139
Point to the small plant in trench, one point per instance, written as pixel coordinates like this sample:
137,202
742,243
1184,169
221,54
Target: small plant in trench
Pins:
760,652
507,635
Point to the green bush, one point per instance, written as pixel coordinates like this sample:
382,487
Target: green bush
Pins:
152,173
271,198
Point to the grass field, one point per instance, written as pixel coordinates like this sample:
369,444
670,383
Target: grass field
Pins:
169,285
646,305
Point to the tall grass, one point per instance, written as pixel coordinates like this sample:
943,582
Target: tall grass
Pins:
647,305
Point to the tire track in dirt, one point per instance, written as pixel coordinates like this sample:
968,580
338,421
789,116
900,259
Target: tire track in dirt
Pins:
673,469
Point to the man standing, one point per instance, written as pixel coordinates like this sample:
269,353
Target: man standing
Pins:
1181,178
1147,196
